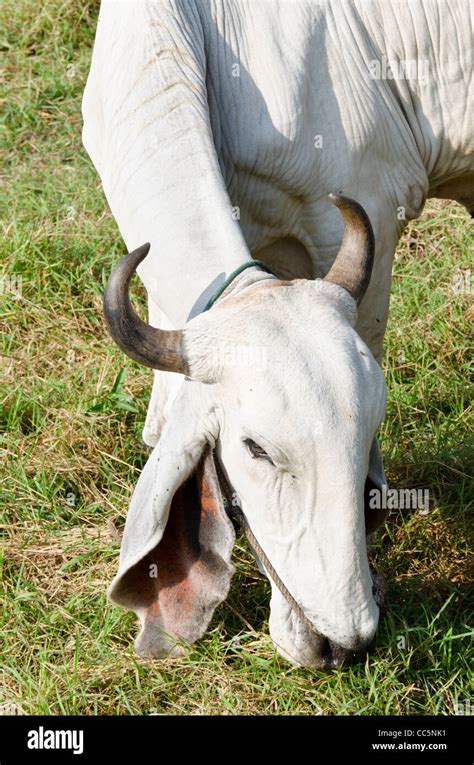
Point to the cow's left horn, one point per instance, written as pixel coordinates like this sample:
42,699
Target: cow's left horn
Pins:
353,265
156,348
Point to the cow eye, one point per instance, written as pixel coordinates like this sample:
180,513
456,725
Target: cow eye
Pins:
256,451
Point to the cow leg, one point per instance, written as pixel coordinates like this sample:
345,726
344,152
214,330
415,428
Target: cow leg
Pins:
373,310
165,386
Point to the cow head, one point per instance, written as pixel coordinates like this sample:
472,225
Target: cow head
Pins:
291,418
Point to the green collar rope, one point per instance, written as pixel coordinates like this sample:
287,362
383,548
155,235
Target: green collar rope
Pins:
230,279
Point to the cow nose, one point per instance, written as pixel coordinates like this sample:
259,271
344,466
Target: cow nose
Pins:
335,656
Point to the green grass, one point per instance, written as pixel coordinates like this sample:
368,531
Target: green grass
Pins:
73,407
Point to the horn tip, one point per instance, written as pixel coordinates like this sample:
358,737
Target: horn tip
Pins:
337,199
144,249
135,257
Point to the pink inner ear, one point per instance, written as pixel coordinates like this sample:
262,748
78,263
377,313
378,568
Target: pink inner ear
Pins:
190,567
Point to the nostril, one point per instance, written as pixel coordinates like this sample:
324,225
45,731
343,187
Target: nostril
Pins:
330,655
340,655
336,655
326,651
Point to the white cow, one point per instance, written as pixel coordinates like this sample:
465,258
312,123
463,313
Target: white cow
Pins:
218,128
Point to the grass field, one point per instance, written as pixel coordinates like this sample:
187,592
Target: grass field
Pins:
73,408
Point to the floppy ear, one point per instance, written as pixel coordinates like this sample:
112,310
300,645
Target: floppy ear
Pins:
175,559
374,517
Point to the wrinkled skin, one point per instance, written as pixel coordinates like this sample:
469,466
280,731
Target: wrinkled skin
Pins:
162,72
181,138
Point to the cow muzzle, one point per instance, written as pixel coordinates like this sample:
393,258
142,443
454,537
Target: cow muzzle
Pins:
304,645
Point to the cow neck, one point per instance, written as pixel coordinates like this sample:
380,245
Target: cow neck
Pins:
237,280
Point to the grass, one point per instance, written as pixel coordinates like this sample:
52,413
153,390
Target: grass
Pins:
73,408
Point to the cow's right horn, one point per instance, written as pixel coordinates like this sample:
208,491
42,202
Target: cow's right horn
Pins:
352,268
156,348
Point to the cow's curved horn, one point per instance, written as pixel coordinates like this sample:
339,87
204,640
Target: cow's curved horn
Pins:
353,265
156,348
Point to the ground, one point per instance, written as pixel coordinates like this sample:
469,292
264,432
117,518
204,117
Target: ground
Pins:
73,408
